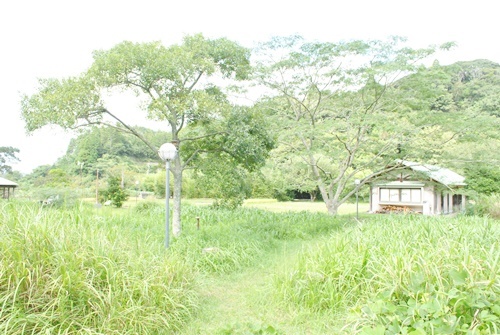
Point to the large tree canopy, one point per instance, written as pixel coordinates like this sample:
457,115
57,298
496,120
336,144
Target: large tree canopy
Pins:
179,84
335,107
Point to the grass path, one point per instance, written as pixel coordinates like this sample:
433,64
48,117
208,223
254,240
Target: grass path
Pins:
241,303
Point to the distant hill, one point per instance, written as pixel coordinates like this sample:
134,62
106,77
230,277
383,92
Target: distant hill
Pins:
459,86
462,99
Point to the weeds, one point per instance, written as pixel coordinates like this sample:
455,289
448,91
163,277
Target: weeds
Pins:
104,271
72,271
75,270
398,275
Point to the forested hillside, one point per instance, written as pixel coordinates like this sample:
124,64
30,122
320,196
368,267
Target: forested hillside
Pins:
464,100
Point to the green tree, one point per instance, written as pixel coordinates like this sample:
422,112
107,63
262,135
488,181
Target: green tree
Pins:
114,192
288,173
176,84
483,179
38,176
334,109
7,156
57,178
228,183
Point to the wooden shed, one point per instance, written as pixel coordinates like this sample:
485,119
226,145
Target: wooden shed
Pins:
7,188
418,188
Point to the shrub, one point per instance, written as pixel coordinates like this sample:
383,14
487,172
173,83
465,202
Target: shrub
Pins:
486,205
149,207
114,193
284,195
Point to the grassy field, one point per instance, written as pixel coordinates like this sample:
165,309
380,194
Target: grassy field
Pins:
282,270
271,205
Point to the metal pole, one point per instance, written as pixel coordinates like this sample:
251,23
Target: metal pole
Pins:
357,217
97,186
167,205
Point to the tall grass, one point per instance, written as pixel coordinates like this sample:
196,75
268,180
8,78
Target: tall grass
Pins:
74,271
82,270
230,240
403,275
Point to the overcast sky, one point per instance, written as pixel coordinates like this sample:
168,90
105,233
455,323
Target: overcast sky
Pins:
55,38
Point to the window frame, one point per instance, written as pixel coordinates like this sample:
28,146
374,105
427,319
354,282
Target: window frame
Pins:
387,195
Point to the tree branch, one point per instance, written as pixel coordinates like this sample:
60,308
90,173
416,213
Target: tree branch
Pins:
133,131
203,136
194,82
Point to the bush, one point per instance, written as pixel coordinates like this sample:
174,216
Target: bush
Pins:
149,207
284,195
486,205
114,193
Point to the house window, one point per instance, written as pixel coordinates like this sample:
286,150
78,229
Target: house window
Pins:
403,195
416,195
394,195
384,194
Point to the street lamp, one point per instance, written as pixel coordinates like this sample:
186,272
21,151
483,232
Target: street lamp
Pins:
356,182
80,165
136,190
167,152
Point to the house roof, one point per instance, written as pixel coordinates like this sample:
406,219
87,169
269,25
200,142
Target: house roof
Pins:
437,173
6,182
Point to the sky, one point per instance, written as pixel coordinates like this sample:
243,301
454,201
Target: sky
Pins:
56,38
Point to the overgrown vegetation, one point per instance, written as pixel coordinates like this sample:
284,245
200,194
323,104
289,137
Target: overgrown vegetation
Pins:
103,271
403,275
73,270
486,205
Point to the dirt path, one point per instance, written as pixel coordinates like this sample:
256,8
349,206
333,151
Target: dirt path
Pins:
240,303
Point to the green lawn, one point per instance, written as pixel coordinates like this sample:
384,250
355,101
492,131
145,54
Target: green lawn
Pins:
302,205
273,205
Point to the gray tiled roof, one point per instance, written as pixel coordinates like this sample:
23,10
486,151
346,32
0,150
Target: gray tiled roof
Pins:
6,182
437,173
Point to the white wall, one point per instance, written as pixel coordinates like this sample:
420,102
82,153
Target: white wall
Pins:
428,198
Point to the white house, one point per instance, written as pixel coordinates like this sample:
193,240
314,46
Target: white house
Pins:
418,188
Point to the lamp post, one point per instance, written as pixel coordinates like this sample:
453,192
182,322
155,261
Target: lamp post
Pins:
80,165
356,182
97,187
136,190
167,152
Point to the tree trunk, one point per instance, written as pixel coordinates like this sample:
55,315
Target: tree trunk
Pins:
332,206
177,172
331,203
